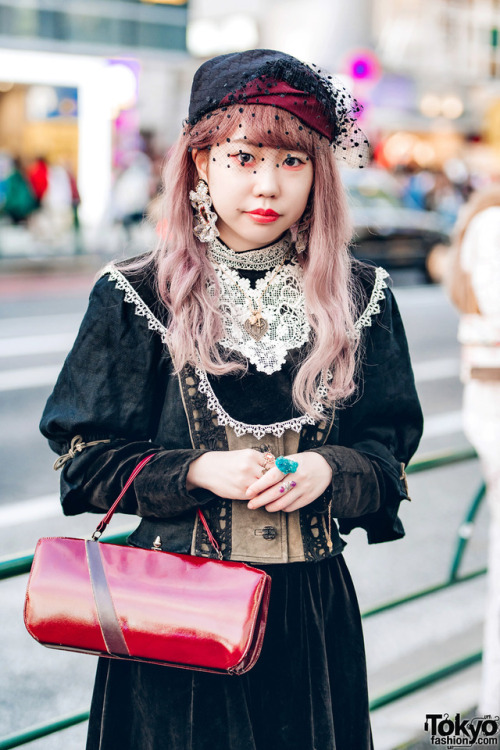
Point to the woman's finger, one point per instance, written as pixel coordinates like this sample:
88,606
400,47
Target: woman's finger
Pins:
288,502
298,503
269,479
275,493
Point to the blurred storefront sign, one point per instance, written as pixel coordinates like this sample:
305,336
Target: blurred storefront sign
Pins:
51,103
40,120
362,65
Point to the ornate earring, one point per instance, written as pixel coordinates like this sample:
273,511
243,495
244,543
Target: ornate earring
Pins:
204,219
303,228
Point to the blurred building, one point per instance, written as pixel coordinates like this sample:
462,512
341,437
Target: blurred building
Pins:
441,85
90,81
79,80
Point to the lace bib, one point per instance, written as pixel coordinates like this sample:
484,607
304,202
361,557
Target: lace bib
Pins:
283,307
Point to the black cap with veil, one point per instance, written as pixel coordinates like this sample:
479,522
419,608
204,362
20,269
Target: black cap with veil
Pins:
314,99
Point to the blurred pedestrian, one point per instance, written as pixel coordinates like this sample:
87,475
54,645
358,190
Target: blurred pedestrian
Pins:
75,196
75,205
38,175
417,185
232,343
474,285
5,170
20,201
445,198
55,220
132,191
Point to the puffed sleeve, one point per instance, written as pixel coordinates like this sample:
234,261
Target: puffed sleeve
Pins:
112,387
382,424
377,431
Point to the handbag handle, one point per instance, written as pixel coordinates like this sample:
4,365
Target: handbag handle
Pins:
102,525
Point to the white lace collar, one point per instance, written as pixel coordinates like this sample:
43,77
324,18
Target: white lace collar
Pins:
261,259
282,302
223,418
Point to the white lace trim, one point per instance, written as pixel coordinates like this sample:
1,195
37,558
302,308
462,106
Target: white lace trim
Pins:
377,295
223,418
283,307
133,297
242,428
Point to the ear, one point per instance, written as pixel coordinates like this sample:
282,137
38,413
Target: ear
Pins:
200,158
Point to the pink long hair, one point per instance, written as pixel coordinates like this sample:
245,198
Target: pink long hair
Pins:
195,324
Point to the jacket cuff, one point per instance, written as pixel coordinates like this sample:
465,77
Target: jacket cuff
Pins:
354,490
161,488
384,525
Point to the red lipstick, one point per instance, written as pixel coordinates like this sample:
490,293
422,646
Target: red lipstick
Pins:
264,215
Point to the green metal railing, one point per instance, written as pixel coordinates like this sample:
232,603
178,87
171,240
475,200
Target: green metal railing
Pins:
43,730
21,563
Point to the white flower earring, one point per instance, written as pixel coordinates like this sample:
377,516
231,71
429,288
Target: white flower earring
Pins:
204,226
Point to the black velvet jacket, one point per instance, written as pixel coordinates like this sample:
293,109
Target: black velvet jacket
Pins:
117,385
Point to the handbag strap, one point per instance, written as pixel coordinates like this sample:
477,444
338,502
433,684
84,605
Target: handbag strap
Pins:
211,538
102,525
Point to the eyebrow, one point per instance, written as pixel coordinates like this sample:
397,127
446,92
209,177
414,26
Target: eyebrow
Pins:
246,142
260,144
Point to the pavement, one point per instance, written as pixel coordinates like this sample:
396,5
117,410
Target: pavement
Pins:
405,644
401,723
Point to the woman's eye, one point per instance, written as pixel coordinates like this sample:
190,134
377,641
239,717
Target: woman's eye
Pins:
293,161
244,159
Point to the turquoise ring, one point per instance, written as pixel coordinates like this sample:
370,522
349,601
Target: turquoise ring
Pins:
286,465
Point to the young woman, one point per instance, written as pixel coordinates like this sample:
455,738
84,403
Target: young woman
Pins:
270,373
473,284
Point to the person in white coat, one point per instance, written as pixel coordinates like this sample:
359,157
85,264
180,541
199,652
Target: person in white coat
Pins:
474,286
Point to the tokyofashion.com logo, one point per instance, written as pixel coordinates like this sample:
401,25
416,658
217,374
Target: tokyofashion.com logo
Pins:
480,731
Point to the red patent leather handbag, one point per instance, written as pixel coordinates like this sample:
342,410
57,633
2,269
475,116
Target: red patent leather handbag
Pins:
146,605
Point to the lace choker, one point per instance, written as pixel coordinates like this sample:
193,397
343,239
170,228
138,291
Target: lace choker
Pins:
261,259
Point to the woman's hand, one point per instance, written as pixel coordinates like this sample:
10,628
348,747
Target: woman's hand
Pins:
226,473
312,477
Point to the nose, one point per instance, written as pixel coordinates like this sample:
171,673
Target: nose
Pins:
266,181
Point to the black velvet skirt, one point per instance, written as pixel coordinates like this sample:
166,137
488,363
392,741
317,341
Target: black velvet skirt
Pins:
308,691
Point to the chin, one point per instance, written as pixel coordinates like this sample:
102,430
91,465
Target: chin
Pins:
264,235
248,237
265,238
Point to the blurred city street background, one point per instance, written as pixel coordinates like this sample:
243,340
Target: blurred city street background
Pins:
92,95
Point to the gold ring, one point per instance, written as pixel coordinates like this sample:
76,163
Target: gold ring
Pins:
269,459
